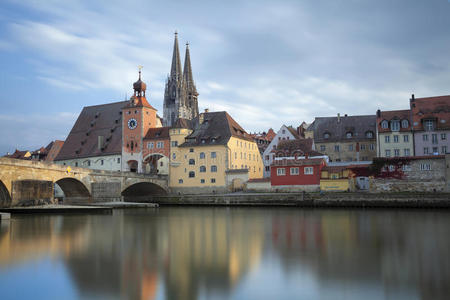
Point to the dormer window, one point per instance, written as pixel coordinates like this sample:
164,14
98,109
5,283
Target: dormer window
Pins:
369,134
429,125
348,135
405,123
384,124
203,141
326,135
395,125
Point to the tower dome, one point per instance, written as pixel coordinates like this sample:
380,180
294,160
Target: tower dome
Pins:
139,86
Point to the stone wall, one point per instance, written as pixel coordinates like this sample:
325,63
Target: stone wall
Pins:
32,192
106,191
401,185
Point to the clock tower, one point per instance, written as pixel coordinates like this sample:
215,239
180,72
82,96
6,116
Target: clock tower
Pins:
138,116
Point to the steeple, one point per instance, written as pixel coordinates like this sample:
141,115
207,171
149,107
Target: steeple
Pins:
175,71
187,73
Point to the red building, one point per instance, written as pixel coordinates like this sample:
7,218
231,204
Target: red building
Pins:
297,174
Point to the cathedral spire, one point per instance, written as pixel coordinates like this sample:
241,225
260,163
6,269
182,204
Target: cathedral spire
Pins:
187,73
175,71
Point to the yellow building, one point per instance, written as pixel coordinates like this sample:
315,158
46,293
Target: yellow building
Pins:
335,179
213,156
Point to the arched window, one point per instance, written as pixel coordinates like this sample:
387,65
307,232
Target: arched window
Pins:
213,168
384,124
395,125
191,174
202,169
192,161
326,135
348,135
405,123
202,155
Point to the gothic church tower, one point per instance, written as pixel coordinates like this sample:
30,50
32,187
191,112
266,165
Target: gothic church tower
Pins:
180,96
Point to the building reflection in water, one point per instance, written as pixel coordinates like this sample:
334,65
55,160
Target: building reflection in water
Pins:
187,253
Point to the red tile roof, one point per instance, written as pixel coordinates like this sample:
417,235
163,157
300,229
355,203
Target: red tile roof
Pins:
389,115
432,108
157,133
298,162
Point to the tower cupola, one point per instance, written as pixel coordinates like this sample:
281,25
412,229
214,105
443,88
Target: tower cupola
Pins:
139,86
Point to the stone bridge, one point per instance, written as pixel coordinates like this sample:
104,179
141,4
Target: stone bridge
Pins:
31,182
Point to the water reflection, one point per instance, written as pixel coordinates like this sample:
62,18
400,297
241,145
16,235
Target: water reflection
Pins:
233,253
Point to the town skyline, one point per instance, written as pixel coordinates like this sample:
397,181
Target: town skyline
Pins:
266,64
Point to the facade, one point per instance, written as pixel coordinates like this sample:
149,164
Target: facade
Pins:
296,174
156,151
180,96
263,139
431,125
203,156
346,138
394,133
285,133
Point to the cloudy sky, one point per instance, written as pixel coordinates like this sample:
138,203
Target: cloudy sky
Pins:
266,62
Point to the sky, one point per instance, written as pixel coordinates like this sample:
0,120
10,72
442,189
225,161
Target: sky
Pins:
267,63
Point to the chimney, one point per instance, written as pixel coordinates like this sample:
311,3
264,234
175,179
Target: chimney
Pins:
206,110
338,117
100,142
378,113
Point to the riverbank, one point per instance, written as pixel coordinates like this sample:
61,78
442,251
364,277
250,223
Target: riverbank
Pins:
335,200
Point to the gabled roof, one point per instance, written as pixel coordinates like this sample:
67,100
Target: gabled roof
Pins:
338,127
289,147
183,123
293,132
138,101
216,129
157,133
94,121
298,162
432,108
18,154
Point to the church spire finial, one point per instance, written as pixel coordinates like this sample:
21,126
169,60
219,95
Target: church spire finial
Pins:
175,70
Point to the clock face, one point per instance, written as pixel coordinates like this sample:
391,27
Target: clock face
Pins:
132,123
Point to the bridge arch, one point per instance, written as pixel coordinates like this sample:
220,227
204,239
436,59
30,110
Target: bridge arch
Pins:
5,197
74,190
141,191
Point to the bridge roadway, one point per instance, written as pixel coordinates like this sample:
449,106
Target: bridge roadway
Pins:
25,182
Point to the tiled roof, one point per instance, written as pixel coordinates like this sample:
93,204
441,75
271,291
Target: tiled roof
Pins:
290,147
138,101
298,162
357,125
433,108
19,155
54,150
157,133
217,128
94,121
293,132
389,115
183,123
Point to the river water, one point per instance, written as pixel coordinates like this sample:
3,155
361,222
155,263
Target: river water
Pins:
227,253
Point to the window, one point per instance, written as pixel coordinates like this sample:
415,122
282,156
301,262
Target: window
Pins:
396,152
150,145
429,125
387,139
388,153
267,168
191,150
161,164
174,156
363,146
425,150
425,137
384,124
267,157
405,123
174,143
369,134
191,174
395,138
435,150
348,135
350,147
444,149
372,147
180,181
192,161
213,154
406,168
213,180
202,155
283,131
405,138
434,138
443,136
102,162
294,171
395,125
213,168
308,170
326,135
336,148
406,152
118,160
202,180
160,145
391,168
88,162
202,169
425,167
322,148
281,171
76,164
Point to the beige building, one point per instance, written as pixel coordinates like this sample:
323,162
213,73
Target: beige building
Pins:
207,158
345,138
